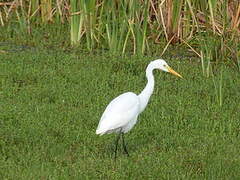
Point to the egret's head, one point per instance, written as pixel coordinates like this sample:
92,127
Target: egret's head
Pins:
162,65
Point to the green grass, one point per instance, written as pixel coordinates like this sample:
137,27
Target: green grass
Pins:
51,103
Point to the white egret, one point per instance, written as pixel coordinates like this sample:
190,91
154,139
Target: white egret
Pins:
122,112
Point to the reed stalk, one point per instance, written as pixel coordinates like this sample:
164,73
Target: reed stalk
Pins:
46,10
75,22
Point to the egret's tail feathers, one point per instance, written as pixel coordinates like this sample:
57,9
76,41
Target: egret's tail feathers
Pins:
100,132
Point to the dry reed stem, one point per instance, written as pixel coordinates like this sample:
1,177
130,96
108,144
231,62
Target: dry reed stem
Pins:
165,48
191,47
163,22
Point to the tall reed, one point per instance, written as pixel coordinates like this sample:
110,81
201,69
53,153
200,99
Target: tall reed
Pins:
46,10
75,22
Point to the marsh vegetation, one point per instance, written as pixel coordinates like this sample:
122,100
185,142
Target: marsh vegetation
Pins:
61,66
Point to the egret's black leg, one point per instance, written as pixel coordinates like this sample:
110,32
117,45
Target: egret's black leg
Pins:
118,137
124,145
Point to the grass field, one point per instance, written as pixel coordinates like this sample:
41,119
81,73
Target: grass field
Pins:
51,103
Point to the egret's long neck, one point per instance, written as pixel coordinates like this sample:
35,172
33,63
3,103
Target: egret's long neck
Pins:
148,90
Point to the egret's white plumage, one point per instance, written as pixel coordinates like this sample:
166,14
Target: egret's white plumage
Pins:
121,113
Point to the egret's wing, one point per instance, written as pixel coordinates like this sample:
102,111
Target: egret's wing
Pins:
119,112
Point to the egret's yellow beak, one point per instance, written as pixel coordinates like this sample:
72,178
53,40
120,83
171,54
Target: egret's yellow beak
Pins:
173,72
